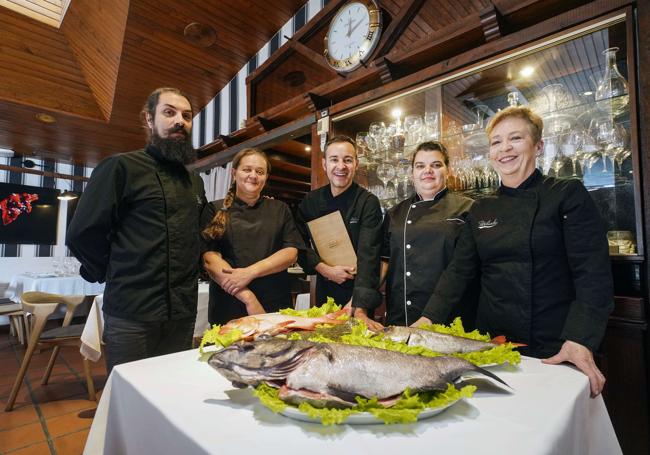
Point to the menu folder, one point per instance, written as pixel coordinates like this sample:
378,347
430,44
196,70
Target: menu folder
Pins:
332,241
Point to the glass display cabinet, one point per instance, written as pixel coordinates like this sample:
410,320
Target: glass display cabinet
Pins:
577,82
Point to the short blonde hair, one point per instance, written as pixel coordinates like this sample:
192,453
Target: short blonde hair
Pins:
534,121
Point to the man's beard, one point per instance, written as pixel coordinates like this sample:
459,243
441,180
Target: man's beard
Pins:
175,150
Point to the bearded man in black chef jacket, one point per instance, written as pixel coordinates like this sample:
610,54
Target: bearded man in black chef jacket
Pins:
137,229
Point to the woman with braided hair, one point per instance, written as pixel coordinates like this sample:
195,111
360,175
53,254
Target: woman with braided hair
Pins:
250,240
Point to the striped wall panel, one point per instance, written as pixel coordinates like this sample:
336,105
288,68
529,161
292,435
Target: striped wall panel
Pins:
29,251
227,111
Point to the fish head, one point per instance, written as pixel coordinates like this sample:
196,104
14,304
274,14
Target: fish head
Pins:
398,333
266,359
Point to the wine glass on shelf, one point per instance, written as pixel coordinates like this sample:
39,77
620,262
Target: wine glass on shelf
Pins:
612,92
362,147
432,126
385,173
413,127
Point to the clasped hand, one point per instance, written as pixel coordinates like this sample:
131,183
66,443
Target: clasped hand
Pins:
236,279
339,273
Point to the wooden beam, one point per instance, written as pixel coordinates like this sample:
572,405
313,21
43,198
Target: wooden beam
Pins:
491,22
311,55
288,131
315,103
387,70
397,26
290,167
289,181
56,175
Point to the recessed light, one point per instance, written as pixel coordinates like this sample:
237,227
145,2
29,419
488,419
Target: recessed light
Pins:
308,149
200,35
397,113
45,118
526,71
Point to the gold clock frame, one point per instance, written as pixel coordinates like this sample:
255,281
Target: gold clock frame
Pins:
370,42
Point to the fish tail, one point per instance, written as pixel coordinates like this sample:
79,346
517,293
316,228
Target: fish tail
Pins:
490,375
501,339
333,317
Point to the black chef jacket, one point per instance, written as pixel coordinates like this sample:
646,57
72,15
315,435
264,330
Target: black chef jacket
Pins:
542,253
362,218
252,234
419,241
137,228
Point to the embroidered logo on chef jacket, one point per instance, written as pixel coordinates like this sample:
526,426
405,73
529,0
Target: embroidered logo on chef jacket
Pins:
199,201
354,220
489,224
455,220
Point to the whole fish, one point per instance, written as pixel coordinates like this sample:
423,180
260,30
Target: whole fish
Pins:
438,342
275,323
332,375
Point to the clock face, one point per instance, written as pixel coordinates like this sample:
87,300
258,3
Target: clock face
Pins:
353,35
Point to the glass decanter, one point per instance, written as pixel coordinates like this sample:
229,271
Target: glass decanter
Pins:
612,92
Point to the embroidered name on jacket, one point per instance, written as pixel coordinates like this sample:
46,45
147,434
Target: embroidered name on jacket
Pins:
489,224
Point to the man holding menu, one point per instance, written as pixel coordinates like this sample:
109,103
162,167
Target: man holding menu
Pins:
362,218
137,229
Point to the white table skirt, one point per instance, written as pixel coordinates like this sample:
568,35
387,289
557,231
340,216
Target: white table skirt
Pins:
63,285
175,404
94,328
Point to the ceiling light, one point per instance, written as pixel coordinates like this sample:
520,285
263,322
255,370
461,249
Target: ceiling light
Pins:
200,35
397,113
45,118
308,149
66,196
526,71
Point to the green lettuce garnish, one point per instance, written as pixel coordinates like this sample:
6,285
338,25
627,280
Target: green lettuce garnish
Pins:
213,337
405,410
314,312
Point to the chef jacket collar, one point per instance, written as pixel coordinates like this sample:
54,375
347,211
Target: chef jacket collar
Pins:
439,195
329,196
240,202
531,182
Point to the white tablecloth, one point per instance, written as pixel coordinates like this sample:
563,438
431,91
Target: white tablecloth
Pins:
63,285
175,404
92,334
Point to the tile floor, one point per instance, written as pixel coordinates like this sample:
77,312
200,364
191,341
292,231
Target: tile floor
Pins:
50,419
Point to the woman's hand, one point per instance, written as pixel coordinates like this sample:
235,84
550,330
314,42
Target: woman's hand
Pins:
236,279
362,315
422,321
583,358
248,298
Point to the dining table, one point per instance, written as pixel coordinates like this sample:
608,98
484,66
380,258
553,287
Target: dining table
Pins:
178,404
51,283
91,336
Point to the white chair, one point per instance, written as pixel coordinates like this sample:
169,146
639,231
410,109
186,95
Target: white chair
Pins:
41,305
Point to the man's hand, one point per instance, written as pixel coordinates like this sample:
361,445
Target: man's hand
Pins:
422,321
582,358
236,279
337,273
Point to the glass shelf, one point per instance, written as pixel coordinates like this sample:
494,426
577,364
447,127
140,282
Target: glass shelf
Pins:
558,82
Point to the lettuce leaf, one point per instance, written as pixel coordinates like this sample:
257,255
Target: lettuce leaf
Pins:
314,312
405,410
212,337
269,397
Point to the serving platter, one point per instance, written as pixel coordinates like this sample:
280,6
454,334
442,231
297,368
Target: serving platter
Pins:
361,418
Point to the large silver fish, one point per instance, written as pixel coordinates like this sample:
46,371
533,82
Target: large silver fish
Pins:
331,375
438,342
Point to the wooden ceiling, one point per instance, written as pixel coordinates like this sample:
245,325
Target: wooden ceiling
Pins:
94,72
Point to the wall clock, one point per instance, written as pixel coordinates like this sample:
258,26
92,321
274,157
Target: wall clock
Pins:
353,35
